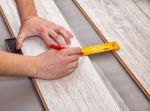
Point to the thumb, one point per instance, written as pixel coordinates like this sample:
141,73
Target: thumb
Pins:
19,40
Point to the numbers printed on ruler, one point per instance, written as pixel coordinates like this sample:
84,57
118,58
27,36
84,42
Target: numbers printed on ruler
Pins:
99,48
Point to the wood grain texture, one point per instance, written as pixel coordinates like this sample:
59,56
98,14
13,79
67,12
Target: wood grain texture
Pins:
83,90
144,5
124,22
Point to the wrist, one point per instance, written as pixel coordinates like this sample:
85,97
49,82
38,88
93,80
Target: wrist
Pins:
29,20
26,9
34,14
33,69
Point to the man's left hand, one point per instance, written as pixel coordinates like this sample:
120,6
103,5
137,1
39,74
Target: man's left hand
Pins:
45,29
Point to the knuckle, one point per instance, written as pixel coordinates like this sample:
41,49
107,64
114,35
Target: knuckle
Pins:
77,57
67,69
71,71
71,35
76,63
63,61
68,33
53,25
41,30
54,51
77,50
63,52
74,51
61,28
55,35
63,72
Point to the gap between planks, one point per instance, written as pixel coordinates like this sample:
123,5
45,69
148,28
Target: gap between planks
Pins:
114,52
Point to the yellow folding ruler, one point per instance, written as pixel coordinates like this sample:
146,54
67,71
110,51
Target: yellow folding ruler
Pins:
99,48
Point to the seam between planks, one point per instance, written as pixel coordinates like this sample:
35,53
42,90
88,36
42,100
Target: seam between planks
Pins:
131,74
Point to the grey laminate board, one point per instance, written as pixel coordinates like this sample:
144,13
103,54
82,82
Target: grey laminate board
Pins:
124,22
82,90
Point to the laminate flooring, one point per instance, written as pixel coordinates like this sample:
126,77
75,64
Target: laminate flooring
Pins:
126,22
83,90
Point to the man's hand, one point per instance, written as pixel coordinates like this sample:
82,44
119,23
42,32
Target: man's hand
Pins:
54,64
45,29
51,64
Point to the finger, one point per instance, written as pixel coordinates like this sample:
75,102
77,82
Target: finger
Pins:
64,74
72,51
47,40
57,38
71,71
66,34
73,65
67,73
73,58
19,40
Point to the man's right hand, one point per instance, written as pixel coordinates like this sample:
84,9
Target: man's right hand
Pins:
54,64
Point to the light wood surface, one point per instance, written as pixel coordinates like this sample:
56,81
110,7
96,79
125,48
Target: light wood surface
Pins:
83,90
124,22
144,5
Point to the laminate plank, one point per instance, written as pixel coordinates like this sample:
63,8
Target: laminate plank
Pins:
144,5
124,22
84,89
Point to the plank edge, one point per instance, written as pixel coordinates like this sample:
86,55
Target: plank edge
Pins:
131,74
32,79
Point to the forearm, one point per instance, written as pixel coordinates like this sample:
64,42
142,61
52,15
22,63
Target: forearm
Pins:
16,65
26,9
